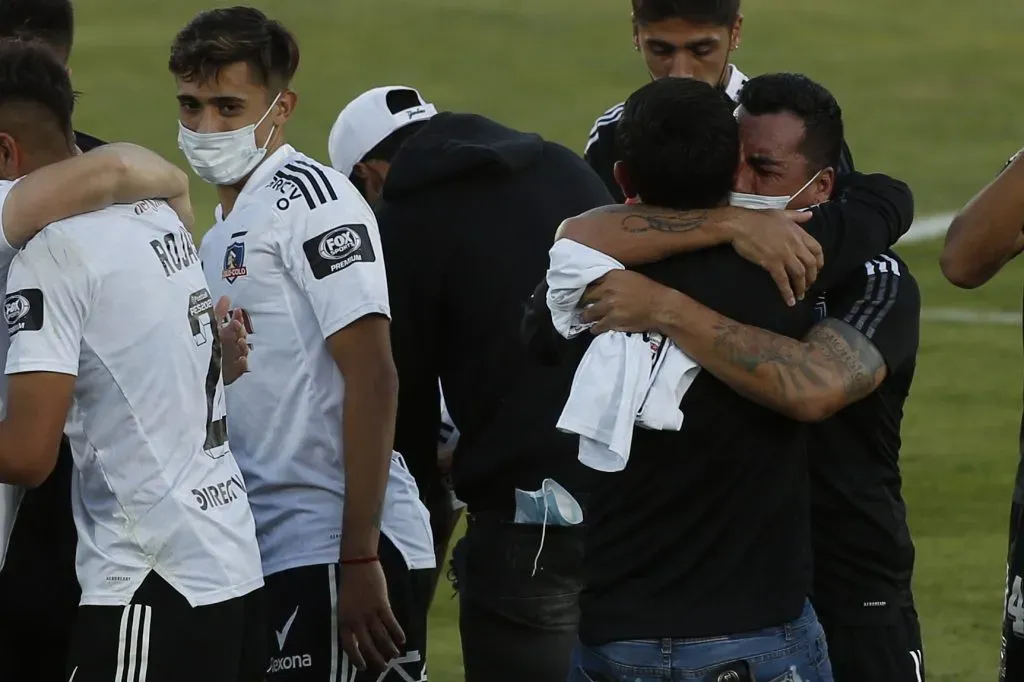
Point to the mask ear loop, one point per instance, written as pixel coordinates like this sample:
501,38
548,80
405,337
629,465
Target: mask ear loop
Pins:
543,529
273,128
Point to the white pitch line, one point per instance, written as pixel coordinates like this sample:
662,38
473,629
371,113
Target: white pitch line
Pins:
972,317
928,228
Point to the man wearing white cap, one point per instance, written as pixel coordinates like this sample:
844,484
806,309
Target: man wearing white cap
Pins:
365,137
466,217
369,131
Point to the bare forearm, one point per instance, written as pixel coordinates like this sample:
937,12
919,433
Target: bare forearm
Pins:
640,234
371,401
108,175
804,380
985,235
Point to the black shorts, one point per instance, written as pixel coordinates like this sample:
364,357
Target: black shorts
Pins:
159,637
39,590
880,653
302,607
1011,657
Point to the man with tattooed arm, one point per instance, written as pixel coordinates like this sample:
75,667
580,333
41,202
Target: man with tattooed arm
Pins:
851,373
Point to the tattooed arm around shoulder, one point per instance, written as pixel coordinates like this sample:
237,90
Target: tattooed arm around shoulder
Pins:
807,380
639,234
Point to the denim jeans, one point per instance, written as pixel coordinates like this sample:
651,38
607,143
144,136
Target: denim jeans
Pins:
517,624
795,652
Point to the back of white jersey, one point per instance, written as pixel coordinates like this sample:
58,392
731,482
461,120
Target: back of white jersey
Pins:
300,254
119,299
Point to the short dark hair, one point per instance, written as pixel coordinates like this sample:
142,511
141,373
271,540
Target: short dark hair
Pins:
679,141
703,12
811,102
217,38
30,74
49,21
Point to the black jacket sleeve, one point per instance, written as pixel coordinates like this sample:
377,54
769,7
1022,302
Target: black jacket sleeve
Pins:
600,152
869,214
414,281
543,342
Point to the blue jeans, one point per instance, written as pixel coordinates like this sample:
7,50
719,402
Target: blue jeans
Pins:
795,652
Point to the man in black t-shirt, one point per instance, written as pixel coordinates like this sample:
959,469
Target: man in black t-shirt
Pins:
704,535
860,356
43,540
986,235
864,344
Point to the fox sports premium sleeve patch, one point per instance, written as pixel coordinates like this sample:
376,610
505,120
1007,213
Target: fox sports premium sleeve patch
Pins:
23,310
340,267
338,248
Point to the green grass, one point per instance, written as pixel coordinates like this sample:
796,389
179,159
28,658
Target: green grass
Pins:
931,93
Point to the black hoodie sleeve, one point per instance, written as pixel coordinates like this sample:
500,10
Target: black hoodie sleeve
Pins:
413,290
869,214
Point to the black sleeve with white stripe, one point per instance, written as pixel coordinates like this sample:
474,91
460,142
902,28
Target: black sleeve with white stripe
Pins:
881,300
869,214
600,150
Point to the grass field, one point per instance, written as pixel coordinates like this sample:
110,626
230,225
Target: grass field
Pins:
931,93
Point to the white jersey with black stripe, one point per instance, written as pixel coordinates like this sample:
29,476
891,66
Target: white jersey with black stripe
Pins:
300,254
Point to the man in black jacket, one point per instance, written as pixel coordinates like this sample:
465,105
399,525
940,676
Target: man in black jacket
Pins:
467,212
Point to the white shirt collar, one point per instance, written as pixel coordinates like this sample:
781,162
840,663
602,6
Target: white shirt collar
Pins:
736,82
262,172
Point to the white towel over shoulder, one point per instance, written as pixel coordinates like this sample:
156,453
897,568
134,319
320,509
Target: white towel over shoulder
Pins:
623,379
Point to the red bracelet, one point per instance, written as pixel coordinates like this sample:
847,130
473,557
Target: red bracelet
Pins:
360,560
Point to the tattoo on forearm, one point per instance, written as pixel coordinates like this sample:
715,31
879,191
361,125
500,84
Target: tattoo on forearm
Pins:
375,520
644,219
833,352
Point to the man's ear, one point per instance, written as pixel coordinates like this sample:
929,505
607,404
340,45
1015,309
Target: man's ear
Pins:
825,185
10,158
284,108
621,175
736,35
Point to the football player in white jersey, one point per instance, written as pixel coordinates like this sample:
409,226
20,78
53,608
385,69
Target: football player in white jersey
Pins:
338,516
113,330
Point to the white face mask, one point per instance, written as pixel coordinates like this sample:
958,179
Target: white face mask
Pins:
760,202
225,158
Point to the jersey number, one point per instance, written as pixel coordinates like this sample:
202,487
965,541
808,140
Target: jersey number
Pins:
1015,607
200,312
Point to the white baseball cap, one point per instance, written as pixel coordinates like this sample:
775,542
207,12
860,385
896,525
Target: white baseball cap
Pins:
369,119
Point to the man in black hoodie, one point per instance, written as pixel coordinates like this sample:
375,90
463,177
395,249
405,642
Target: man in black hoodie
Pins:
467,212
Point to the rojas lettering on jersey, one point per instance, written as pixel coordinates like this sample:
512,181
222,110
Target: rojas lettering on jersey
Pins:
175,251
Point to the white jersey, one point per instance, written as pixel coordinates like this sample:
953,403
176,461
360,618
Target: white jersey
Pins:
10,495
117,298
301,255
